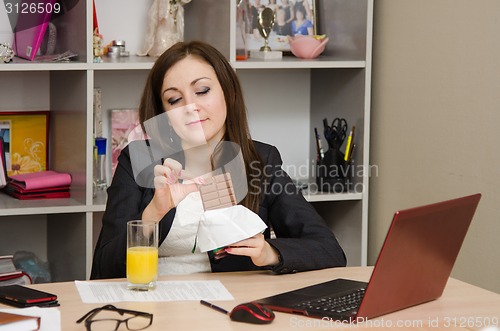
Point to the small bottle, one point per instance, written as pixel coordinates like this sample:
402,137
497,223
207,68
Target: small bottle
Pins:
242,29
100,164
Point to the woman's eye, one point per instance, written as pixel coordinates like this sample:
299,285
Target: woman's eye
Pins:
204,90
173,101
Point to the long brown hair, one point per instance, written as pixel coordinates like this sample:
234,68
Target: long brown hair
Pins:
236,125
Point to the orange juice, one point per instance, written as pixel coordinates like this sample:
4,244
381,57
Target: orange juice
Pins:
142,264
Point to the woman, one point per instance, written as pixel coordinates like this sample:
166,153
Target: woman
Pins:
255,10
287,7
304,4
281,27
194,85
301,25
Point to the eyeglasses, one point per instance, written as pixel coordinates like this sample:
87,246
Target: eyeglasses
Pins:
108,320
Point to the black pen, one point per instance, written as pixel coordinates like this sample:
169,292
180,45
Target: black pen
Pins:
319,152
219,309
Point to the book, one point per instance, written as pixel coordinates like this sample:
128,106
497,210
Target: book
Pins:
3,165
48,193
7,266
21,278
9,274
16,322
30,28
41,180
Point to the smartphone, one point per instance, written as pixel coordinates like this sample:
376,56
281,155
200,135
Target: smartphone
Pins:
21,296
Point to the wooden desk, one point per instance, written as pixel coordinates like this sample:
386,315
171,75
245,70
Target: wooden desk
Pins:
462,305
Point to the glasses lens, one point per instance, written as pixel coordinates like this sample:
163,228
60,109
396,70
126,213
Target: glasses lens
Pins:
104,325
138,322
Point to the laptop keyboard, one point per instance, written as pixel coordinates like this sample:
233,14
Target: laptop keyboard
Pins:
338,304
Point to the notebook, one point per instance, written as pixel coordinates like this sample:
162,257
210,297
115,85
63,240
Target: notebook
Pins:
3,165
32,23
413,267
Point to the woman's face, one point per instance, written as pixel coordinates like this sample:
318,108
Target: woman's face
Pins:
194,101
300,16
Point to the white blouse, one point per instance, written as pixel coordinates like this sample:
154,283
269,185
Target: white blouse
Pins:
175,255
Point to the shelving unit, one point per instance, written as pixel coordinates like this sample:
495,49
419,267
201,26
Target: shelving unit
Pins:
285,100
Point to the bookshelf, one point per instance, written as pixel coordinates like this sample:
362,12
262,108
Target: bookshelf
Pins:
286,100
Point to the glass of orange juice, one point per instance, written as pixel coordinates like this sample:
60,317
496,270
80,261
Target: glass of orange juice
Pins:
142,255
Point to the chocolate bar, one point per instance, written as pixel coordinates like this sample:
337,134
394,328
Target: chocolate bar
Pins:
217,192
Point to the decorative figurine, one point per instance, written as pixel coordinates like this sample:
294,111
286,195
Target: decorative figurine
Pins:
97,45
166,26
6,53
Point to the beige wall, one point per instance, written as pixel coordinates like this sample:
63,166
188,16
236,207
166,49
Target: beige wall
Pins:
435,130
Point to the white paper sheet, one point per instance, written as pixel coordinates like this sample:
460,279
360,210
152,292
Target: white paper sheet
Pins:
225,226
50,316
105,292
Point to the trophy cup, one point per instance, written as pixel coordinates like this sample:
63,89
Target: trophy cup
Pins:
265,26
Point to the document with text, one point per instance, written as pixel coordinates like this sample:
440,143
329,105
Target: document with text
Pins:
105,292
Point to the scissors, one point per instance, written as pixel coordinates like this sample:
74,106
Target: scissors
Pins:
335,133
339,130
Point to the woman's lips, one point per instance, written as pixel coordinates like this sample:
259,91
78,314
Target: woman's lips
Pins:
196,122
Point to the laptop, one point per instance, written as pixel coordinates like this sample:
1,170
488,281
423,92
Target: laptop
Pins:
413,267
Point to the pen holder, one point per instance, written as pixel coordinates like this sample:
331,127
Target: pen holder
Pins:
333,173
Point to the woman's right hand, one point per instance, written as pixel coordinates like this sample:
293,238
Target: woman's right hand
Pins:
169,192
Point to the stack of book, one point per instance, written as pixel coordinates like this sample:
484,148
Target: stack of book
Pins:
17,322
39,185
9,274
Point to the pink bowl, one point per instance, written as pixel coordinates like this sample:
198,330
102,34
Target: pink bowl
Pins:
307,47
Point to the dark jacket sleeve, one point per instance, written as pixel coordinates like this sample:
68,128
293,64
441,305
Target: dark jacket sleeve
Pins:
126,202
303,239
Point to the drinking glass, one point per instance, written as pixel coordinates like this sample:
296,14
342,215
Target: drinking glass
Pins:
142,255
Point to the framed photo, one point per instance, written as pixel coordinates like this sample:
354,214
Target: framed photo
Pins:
292,17
122,122
26,140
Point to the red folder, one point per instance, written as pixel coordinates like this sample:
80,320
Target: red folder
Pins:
47,193
39,185
41,180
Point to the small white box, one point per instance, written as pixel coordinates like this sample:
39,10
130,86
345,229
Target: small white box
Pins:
270,55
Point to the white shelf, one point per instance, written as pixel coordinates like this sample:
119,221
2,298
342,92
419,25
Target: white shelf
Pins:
125,63
284,107
295,63
10,206
23,65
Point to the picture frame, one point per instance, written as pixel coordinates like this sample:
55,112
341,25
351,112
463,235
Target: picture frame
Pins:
122,122
248,36
26,140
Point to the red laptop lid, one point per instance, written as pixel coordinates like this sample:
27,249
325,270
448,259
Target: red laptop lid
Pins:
418,255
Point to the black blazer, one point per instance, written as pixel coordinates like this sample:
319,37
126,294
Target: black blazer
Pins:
303,239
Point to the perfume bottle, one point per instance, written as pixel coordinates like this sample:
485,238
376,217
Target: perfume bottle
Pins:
100,164
243,28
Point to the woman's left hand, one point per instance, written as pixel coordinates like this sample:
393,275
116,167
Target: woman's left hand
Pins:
257,248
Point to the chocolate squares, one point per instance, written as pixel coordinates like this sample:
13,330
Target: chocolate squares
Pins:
218,192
